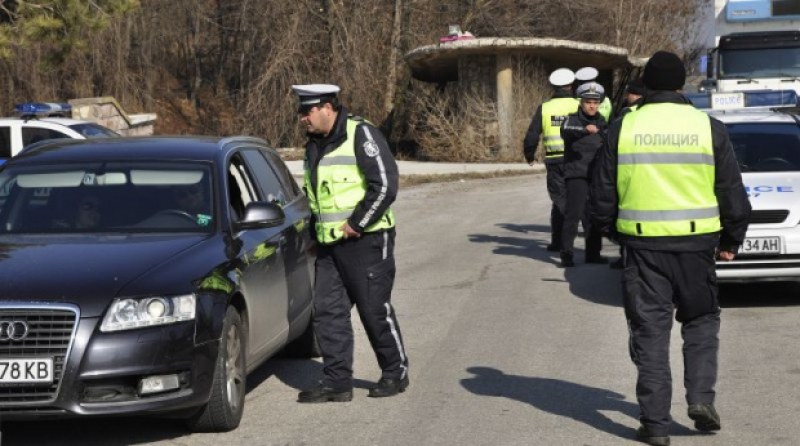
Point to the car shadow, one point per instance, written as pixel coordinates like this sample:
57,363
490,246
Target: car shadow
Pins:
92,432
299,374
759,294
581,403
117,431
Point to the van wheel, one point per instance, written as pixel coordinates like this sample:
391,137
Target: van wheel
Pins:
225,407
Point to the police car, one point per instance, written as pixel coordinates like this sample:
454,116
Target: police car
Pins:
766,140
37,121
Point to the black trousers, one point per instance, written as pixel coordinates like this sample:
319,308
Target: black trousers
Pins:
558,195
357,272
578,211
656,283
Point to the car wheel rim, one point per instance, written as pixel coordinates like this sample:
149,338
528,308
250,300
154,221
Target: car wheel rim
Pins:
233,368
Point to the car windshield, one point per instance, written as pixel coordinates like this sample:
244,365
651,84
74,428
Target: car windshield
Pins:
766,147
106,197
90,130
761,62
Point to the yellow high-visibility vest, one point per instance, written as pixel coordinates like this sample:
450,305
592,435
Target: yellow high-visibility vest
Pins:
340,187
605,109
554,113
665,173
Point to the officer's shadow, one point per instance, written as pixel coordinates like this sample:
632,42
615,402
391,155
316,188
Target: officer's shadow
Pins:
578,402
520,246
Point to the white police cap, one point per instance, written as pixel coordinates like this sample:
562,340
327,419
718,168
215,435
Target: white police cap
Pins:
591,90
561,77
586,74
311,94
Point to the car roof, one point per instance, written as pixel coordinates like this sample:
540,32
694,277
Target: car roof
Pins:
58,121
749,116
144,148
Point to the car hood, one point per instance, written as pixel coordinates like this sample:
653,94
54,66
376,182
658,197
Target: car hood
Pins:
87,270
775,191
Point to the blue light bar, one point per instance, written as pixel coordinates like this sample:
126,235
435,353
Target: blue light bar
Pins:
745,99
43,109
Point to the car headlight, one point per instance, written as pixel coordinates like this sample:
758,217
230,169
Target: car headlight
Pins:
128,313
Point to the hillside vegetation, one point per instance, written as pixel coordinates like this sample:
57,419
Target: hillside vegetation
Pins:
226,66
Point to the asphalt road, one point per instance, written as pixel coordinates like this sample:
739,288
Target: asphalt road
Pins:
505,349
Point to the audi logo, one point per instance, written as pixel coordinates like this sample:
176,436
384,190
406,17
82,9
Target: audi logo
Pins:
13,330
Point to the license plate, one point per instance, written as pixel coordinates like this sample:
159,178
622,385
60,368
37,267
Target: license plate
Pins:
22,370
761,245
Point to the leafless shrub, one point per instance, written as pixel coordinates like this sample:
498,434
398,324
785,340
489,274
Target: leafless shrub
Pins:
225,67
455,130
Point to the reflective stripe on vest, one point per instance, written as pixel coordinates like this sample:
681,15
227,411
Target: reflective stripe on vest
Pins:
665,173
554,113
341,186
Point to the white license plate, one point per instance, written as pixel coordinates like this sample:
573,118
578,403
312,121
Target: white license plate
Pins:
22,370
761,245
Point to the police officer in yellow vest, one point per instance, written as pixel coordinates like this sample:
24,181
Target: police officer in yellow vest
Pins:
547,123
350,179
668,184
634,95
589,74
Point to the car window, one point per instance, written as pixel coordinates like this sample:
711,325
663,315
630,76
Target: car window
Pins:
766,147
5,142
31,135
266,177
240,187
91,130
289,184
106,197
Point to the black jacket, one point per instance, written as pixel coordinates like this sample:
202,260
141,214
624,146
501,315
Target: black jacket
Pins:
379,169
734,207
531,141
580,146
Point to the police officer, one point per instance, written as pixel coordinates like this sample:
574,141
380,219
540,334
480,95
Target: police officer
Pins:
668,183
547,123
589,74
350,179
634,95
583,136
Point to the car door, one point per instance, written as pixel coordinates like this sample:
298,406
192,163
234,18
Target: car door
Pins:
262,274
271,175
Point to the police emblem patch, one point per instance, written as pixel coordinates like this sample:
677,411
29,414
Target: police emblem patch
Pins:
371,149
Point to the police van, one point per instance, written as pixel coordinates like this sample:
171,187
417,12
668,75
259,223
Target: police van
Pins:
38,121
764,128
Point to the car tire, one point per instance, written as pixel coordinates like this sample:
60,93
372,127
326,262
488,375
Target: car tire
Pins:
305,346
225,407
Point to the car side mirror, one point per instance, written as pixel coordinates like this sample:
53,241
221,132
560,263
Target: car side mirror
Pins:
261,214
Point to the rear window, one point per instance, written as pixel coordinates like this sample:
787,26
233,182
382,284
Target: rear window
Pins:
90,130
766,147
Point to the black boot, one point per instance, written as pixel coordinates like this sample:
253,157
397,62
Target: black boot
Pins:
554,247
325,394
388,387
644,435
566,259
705,417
